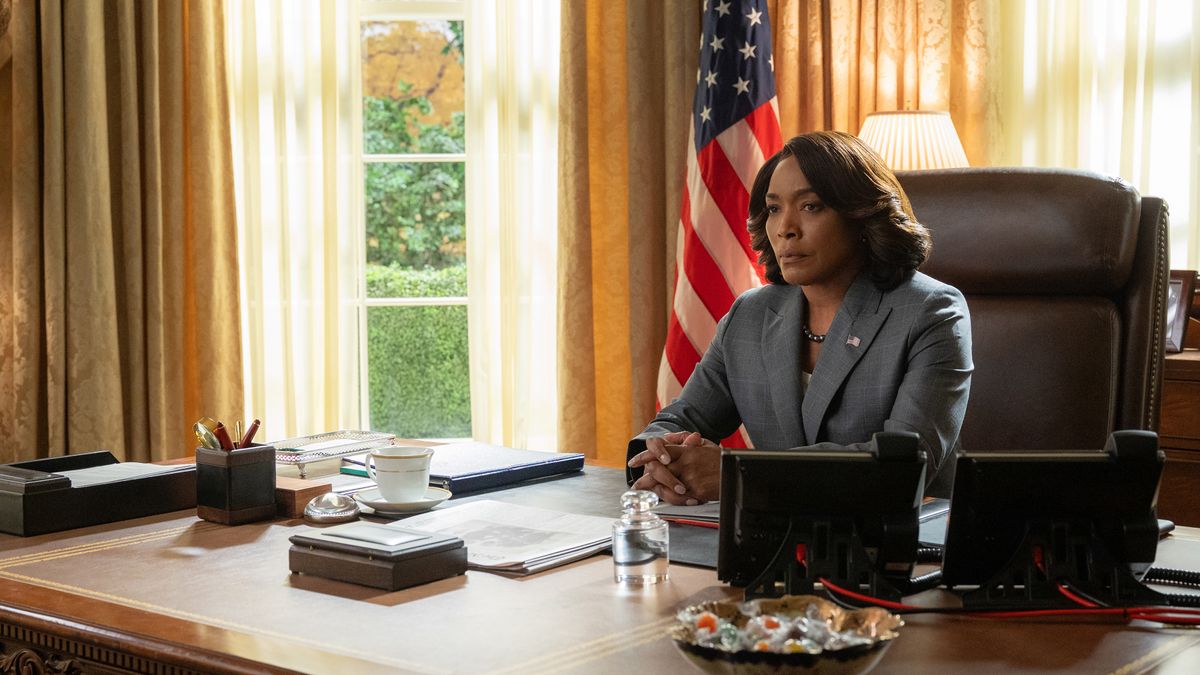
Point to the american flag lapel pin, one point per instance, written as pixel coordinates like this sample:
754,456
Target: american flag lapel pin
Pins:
853,341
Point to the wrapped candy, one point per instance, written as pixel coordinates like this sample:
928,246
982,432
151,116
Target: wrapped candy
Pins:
802,624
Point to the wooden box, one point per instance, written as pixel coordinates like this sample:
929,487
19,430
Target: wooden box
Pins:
293,494
390,575
379,556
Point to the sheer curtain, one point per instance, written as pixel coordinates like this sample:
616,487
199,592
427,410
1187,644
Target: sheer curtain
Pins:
1111,86
300,237
512,145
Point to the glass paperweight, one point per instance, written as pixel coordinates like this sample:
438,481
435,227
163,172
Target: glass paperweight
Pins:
640,540
331,507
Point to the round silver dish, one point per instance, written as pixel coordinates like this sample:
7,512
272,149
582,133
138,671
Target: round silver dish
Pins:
331,508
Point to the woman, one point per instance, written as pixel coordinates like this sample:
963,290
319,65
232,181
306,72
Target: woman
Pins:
846,340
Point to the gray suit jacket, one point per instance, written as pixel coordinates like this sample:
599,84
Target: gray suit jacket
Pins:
897,360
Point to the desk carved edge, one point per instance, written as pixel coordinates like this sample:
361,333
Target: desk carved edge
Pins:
36,642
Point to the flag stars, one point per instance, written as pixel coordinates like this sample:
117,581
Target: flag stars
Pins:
747,51
755,17
723,8
711,78
742,86
771,60
717,43
706,113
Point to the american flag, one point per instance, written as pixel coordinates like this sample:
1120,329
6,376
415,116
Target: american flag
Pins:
735,128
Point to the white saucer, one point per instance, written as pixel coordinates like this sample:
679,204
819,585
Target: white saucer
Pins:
372,498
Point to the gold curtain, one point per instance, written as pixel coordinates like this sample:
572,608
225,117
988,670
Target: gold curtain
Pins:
838,60
628,74
118,268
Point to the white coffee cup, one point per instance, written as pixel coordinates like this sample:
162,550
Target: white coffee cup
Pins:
401,472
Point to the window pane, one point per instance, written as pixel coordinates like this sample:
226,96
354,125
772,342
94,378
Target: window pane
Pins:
417,373
415,219
398,282
412,87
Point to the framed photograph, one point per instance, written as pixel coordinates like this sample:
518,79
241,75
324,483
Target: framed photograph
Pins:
1180,288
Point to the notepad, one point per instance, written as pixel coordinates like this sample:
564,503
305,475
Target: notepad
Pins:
376,534
111,473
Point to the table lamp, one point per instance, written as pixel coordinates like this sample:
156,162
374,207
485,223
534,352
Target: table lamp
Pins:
914,139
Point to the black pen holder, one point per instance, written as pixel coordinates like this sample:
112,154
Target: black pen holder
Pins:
235,486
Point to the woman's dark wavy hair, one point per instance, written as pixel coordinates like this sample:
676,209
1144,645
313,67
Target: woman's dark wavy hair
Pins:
850,178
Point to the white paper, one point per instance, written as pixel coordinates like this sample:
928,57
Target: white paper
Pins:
709,512
516,539
111,473
345,483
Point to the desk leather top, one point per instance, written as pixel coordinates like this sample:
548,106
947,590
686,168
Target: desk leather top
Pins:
229,589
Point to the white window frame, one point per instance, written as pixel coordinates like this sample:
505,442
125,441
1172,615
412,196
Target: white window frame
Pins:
389,10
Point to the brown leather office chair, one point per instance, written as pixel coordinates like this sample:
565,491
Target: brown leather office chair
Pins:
1065,273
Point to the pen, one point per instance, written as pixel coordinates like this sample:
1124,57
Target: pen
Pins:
250,431
697,523
223,436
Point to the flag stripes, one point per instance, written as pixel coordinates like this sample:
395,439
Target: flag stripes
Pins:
701,271
735,127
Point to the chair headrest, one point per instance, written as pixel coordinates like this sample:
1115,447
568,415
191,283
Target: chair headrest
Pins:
1026,230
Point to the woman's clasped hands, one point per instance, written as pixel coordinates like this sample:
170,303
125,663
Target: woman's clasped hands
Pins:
680,467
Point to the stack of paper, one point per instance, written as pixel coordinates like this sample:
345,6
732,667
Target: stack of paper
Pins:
346,484
707,514
516,540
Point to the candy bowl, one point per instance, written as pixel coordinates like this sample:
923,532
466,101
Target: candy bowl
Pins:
792,634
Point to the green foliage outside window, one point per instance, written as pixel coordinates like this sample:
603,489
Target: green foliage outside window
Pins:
418,381
418,378
419,384
415,211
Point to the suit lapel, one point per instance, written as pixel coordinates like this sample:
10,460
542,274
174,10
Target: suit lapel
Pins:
781,360
853,329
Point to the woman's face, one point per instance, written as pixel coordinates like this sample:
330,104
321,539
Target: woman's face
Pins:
813,243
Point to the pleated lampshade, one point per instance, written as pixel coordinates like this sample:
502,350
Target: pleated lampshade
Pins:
914,139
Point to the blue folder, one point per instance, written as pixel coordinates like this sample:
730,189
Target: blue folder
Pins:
471,466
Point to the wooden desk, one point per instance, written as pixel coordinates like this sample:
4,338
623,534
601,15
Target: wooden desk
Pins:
199,596
1179,436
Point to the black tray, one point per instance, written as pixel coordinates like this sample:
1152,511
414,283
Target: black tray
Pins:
34,500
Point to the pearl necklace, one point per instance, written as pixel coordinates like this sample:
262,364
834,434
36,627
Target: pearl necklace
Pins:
810,336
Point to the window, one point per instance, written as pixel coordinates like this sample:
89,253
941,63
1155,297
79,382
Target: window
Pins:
383,149
415,349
